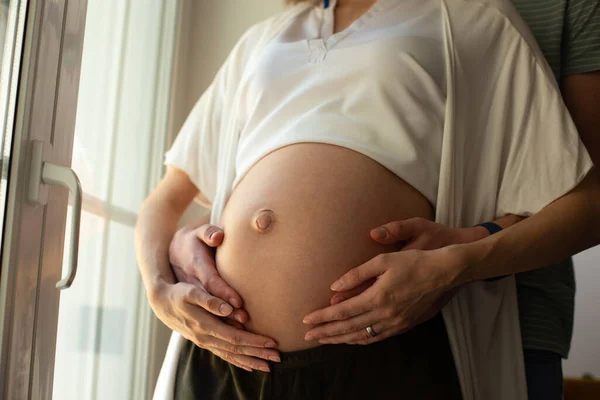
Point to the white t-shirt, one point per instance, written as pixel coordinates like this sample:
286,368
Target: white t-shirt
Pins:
377,88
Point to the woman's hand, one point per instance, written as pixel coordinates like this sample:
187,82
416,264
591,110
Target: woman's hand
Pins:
186,307
194,313
409,288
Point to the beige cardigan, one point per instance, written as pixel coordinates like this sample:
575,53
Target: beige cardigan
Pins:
509,147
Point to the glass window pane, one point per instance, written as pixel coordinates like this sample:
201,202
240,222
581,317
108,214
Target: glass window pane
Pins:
11,36
78,315
136,118
127,55
116,350
99,94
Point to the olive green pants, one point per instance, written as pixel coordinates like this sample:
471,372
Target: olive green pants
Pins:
416,365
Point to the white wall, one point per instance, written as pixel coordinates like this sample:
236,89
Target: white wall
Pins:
585,351
209,30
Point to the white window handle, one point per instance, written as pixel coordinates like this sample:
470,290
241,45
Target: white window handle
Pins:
51,174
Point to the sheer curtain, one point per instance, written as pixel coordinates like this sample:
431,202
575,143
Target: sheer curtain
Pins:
104,321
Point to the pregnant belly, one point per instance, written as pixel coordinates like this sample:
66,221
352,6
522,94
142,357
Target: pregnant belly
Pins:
299,220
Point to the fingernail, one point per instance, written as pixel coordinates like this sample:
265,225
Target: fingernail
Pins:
238,318
307,320
264,369
337,286
381,233
275,358
235,302
309,336
225,309
271,344
212,235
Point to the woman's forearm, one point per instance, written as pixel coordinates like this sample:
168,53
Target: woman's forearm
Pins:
156,225
567,226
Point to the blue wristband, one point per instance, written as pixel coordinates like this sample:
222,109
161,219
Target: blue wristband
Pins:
491,227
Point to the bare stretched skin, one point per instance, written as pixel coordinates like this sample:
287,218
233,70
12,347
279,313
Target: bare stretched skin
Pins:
298,221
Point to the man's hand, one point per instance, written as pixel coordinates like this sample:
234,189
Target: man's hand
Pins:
192,258
423,234
409,288
417,234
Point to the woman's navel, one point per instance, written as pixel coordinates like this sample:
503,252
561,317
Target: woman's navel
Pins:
263,220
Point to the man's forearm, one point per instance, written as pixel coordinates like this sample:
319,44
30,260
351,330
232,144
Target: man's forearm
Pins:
508,221
479,232
567,226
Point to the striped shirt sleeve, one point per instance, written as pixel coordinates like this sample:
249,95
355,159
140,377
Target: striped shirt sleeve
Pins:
581,40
